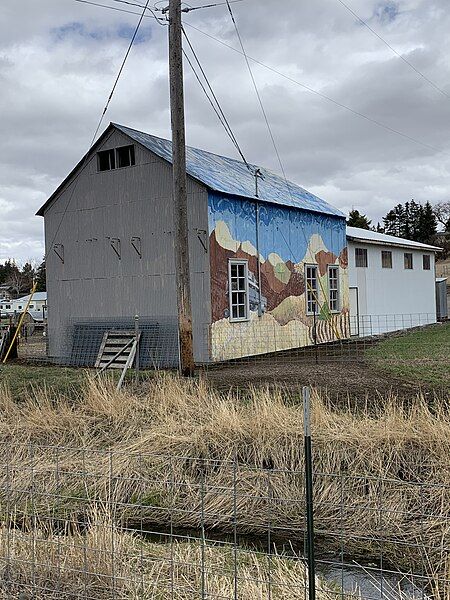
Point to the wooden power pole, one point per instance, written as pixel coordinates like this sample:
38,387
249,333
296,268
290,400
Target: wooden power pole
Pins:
180,189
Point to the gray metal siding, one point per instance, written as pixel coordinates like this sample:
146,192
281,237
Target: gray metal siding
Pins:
123,203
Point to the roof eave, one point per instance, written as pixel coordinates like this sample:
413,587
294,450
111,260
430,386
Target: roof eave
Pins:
398,244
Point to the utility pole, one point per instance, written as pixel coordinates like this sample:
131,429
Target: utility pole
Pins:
180,189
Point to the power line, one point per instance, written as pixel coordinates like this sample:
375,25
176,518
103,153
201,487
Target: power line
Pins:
296,82
320,94
123,10
405,60
258,95
84,162
215,104
191,8
119,73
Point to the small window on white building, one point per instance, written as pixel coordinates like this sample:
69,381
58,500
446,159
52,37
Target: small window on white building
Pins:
426,262
333,288
238,290
312,289
386,259
361,257
408,260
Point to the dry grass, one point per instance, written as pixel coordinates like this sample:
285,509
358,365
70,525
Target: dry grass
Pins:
106,563
146,453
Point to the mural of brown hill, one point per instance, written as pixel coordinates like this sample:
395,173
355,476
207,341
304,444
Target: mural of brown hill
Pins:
324,259
271,286
343,258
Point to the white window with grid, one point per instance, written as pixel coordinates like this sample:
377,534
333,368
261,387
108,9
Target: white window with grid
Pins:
238,290
312,289
333,288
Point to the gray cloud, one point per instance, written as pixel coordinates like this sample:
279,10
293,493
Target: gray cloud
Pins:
58,60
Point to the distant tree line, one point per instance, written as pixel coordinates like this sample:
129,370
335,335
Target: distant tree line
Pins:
413,221
20,278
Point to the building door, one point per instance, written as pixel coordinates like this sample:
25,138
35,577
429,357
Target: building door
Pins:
354,311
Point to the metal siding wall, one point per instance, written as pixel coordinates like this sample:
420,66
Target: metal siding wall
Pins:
93,282
396,291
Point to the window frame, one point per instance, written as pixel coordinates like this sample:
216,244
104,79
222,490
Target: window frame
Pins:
428,257
131,155
246,318
315,300
405,263
365,254
112,163
337,289
389,254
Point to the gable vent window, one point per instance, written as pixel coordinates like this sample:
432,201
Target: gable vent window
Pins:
106,160
125,156
116,158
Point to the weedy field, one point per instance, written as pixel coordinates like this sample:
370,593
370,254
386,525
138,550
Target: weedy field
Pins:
87,467
382,477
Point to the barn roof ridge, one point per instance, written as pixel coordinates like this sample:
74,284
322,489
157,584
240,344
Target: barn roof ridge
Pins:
218,173
230,176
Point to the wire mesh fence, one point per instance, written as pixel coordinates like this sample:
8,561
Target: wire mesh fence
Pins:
100,524
77,343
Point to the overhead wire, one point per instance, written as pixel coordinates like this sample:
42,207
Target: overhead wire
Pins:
291,79
263,111
405,60
257,93
84,162
321,94
123,10
214,102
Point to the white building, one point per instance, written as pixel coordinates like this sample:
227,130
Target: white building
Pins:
391,281
37,308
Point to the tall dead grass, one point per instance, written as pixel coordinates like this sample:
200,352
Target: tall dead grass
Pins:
382,481
106,563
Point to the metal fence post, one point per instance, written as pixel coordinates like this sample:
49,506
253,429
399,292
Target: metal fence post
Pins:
136,359
309,494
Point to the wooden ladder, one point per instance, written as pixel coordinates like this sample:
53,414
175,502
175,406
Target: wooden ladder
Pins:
117,351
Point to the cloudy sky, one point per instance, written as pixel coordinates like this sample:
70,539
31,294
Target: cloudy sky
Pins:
59,58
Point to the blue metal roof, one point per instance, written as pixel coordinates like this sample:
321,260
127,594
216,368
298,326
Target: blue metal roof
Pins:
232,177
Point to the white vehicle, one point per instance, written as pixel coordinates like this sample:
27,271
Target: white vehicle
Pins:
37,308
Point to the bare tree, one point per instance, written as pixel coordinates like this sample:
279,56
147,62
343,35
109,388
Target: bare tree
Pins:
442,212
17,281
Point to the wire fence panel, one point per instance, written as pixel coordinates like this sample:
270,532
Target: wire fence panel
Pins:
84,523
78,345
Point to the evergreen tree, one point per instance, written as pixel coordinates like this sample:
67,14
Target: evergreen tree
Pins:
427,224
356,219
28,274
7,269
41,279
412,221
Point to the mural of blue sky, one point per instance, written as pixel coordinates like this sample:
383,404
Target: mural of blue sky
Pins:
282,230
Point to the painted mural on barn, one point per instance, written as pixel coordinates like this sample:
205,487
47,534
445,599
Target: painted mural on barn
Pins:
288,240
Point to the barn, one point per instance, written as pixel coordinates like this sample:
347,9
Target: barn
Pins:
268,259
391,282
